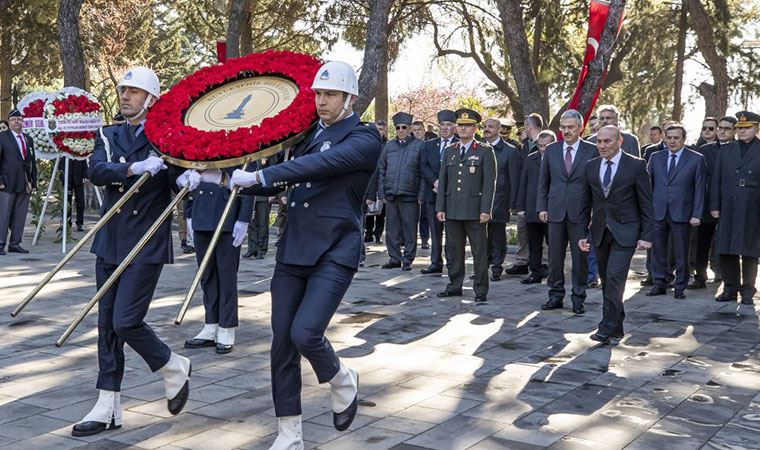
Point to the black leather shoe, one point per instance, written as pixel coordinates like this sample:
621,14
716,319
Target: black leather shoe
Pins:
726,297
552,304
647,281
531,280
480,299
249,253
425,247
432,269
517,270
390,265
448,293
261,256
199,343
495,276
368,238
655,291
600,337
592,284
679,295
176,404
578,309
747,300
342,420
697,285
91,428
406,267
17,249
378,240
80,227
222,348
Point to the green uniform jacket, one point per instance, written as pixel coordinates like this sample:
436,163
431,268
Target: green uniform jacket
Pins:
467,185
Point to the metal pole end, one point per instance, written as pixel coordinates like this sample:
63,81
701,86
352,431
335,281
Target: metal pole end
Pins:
178,322
14,314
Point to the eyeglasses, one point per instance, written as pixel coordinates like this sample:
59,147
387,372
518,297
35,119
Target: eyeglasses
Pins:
401,127
708,128
725,128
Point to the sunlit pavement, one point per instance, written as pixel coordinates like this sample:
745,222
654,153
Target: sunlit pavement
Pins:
435,373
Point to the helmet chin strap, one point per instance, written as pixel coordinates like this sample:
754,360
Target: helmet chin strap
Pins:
142,110
345,109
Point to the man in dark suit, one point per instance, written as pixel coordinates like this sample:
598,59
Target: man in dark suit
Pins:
735,201
77,175
508,166
320,249
258,224
559,188
678,183
617,198
18,177
538,231
431,165
466,185
374,224
703,253
610,115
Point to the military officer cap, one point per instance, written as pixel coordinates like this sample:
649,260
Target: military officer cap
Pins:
747,119
467,116
15,113
447,115
402,118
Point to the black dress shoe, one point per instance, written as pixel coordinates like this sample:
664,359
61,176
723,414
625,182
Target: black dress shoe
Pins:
80,227
655,291
600,337
432,269
91,428
342,420
448,293
199,343
17,249
747,300
495,277
176,404
249,253
480,299
259,256
647,281
531,280
578,309
697,285
406,267
223,348
726,297
592,284
368,238
390,265
521,269
552,304
679,295
378,240
425,247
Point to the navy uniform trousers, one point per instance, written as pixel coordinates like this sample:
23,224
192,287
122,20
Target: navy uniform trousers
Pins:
219,282
304,299
121,315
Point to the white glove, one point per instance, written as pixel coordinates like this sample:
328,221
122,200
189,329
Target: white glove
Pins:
238,233
189,226
190,178
213,176
242,178
152,164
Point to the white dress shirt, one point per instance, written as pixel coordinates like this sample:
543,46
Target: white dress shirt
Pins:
19,137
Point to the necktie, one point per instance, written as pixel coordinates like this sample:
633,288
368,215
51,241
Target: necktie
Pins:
672,164
444,144
23,146
607,175
568,161
462,151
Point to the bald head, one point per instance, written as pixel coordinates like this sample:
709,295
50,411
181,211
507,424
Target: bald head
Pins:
491,128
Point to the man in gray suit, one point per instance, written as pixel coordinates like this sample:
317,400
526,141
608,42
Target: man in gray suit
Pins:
559,189
616,186
678,183
610,115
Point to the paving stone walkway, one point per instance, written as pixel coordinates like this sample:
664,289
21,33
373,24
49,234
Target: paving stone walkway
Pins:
435,373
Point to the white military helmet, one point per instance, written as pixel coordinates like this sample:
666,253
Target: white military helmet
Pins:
337,76
143,78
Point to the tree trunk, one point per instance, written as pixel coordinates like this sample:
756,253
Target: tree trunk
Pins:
518,51
6,67
246,32
716,102
234,25
601,61
375,52
680,57
72,56
381,98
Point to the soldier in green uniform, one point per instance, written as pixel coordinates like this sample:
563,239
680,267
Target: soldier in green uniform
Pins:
466,185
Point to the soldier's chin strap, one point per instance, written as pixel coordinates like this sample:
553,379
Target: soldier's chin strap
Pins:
143,109
346,109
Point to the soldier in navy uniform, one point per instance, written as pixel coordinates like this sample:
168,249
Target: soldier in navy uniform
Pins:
320,249
123,154
219,282
258,227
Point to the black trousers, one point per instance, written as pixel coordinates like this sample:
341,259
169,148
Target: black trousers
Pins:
76,196
457,234
258,228
425,219
497,246
304,299
538,233
704,245
614,261
729,267
436,236
560,235
401,222
373,225
679,234
13,209
120,320
219,282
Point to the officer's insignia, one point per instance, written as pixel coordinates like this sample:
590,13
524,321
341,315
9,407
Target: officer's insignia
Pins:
128,76
465,116
122,159
325,146
743,118
325,75
472,169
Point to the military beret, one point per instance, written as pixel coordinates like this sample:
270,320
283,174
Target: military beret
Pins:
747,119
467,116
447,115
15,113
402,118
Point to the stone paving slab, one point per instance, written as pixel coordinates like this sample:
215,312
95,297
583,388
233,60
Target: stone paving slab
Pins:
435,373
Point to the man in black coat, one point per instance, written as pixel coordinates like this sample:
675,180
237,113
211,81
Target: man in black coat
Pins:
508,166
559,189
431,165
18,177
735,201
617,190
77,175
